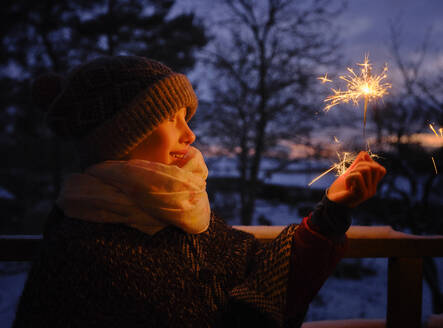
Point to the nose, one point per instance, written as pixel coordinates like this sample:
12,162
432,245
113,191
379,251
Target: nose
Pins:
187,137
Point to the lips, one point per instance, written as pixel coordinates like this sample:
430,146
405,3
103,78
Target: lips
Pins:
179,154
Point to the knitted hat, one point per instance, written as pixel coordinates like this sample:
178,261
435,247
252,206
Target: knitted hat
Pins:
109,105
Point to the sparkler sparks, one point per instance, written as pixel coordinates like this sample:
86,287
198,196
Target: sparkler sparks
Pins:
441,135
324,79
435,132
363,85
435,166
345,160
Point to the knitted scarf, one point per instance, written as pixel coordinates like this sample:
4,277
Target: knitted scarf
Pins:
142,194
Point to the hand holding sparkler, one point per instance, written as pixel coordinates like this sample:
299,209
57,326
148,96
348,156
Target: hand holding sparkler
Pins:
358,183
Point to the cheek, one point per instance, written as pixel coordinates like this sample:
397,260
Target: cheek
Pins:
157,146
163,151
155,149
161,147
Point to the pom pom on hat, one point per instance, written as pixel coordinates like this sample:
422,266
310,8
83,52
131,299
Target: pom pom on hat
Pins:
45,89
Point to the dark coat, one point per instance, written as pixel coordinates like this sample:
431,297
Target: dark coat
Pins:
110,275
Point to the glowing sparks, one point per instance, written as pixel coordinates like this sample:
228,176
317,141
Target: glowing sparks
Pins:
364,85
361,85
441,135
435,132
345,161
435,166
324,79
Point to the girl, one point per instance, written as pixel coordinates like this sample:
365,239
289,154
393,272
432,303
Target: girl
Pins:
131,240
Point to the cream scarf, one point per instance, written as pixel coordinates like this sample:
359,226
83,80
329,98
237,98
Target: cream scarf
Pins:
142,194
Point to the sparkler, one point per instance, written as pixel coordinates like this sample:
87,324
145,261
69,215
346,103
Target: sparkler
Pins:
363,85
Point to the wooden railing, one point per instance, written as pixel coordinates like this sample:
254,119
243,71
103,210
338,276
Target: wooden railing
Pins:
405,254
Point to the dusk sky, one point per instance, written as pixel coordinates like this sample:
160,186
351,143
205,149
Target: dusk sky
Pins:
365,26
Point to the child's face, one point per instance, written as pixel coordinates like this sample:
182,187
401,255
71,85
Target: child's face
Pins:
168,143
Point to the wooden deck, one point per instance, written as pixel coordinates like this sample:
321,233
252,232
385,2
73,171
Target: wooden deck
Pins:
405,254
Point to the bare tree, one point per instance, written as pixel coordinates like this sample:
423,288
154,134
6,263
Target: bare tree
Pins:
411,177
265,57
417,103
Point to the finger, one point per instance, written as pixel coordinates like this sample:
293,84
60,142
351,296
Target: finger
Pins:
369,179
355,195
376,173
366,156
365,170
370,173
383,171
357,160
358,187
349,181
380,172
375,178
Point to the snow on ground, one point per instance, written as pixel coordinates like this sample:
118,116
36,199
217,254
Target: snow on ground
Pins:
297,174
365,298
300,174
6,194
11,286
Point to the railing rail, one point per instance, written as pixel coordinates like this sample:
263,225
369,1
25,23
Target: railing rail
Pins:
405,254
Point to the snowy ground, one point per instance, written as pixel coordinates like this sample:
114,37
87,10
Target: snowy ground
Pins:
11,286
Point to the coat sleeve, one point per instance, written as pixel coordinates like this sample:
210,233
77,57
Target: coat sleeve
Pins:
313,259
288,272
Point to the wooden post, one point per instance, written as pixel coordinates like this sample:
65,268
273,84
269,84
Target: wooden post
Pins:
404,292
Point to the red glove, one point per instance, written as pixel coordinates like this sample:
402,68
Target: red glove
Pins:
358,183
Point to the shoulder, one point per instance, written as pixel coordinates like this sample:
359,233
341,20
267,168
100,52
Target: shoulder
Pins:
81,241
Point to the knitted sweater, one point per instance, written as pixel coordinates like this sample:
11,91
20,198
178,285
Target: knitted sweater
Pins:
110,275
